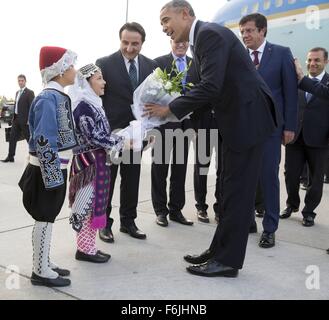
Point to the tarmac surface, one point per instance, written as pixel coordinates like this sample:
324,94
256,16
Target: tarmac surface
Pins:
296,268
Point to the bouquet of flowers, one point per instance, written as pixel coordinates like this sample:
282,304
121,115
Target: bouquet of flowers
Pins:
160,88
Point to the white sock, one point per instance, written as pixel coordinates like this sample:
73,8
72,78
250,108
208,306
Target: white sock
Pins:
41,238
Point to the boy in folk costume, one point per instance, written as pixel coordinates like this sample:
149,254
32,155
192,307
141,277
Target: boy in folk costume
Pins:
90,174
44,180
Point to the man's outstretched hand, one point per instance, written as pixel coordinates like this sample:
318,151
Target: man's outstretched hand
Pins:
155,110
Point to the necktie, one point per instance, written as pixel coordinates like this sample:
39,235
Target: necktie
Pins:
180,63
17,99
133,74
256,60
308,94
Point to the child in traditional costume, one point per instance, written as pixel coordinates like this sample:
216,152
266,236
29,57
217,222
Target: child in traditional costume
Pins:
44,180
90,174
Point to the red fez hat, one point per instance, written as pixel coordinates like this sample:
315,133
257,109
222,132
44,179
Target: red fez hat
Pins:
49,56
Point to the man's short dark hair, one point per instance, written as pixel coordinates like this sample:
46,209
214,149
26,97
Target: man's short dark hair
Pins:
179,4
135,27
325,52
21,76
259,19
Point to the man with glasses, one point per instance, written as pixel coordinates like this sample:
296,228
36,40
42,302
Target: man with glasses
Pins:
276,66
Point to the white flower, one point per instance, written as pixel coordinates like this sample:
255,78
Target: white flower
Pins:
158,73
168,85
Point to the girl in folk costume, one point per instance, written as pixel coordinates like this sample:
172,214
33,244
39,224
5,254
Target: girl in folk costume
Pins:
90,174
44,180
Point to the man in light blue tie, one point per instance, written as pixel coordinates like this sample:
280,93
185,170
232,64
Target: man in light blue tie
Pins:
173,143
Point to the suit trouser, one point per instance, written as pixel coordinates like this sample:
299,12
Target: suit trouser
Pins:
270,183
205,146
129,187
159,173
17,130
296,156
327,165
239,177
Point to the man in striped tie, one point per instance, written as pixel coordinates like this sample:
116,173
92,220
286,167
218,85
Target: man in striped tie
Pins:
123,71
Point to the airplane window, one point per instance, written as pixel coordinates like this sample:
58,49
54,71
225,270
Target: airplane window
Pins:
244,11
267,4
278,3
255,7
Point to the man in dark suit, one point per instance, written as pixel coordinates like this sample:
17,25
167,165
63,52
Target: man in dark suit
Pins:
245,116
276,66
175,142
20,128
312,138
123,71
318,89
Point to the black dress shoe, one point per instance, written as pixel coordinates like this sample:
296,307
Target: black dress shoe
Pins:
103,254
253,227
213,268
133,231
8,159
161,220
260,212
198,259
308,221
202,216
304,186
267,240
96,258
286,213
62,272
106,235
47,282
178,217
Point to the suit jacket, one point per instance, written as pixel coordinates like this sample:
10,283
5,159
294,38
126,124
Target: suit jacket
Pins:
314,119
277,68
320,89
243,103
118,96
23,106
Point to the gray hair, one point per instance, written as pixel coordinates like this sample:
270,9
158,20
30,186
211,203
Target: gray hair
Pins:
179,4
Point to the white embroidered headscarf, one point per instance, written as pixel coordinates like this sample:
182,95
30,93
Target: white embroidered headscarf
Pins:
82,91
